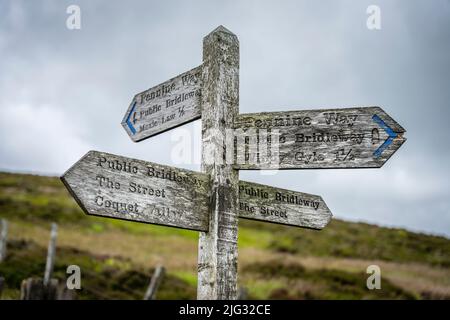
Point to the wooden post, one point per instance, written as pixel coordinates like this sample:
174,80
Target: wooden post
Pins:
217,258
63,293
156,280
51,254
2,284
3,239
34,289
47,288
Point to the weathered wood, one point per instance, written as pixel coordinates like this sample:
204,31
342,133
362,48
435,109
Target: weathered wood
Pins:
85,182
364,137
51,290
3,239
155,282
118,187
217,257
64,293
34,289
265,203
165,106
51,252
31,289
2,285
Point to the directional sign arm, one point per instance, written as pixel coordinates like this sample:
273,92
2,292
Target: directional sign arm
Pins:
118,187
275,205
165,106
364,137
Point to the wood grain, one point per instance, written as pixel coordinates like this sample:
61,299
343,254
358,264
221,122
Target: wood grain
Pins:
270,204
165,106
316,139
118,187
218,251
34,289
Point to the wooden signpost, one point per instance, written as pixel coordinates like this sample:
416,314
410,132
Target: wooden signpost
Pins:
212,201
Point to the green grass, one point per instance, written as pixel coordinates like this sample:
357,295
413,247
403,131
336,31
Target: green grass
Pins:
188,277
31,202
102,277
140,229
329,284
362,241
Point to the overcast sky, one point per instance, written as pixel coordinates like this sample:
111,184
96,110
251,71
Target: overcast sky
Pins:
64,92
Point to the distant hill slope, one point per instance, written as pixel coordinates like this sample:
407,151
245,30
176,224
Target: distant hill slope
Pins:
275,261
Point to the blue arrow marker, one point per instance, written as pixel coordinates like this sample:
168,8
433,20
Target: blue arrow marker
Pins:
130,125
392,135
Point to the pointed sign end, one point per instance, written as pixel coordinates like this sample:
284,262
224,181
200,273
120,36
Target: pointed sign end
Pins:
386,117
66,175
328,215
395,136
68,180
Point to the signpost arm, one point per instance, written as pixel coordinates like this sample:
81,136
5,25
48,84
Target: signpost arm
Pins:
217,258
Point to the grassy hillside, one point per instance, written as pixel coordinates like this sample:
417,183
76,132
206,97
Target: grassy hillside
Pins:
117,257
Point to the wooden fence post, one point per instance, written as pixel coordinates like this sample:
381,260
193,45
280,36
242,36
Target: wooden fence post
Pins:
2,284
217,258
34,289
156,280
3,239
51,254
